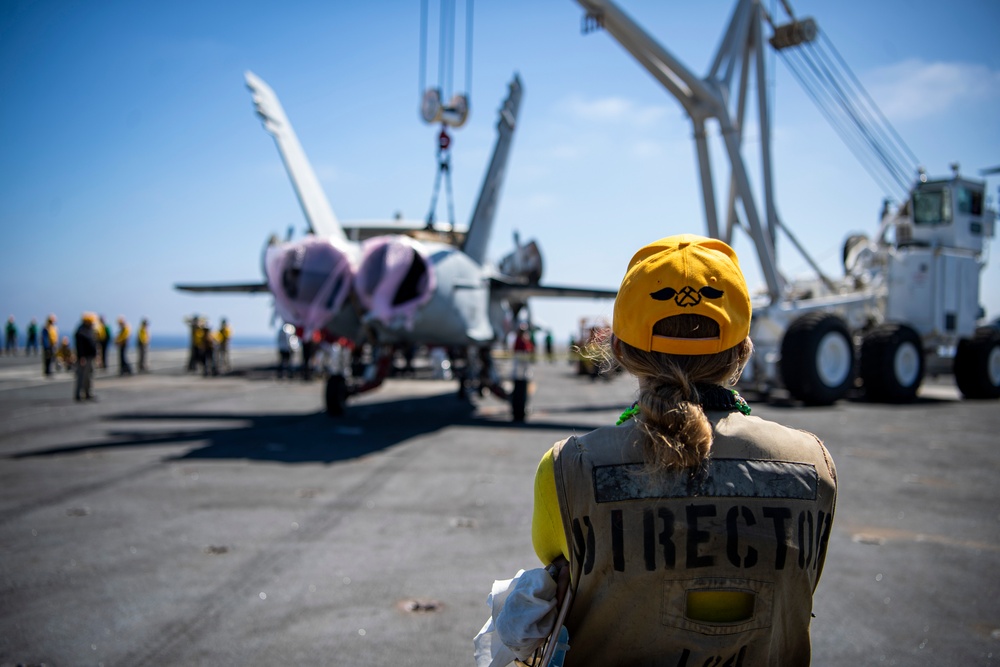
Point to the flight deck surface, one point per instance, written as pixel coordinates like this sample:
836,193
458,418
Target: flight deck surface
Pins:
228,521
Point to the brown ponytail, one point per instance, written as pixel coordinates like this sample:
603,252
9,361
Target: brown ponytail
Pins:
677,433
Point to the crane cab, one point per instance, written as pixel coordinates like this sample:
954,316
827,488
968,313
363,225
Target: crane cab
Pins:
947,213
934,272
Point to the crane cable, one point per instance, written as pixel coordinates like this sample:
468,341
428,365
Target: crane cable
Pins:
433,109
444,168
829,82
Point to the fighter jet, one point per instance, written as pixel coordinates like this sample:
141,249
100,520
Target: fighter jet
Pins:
397,285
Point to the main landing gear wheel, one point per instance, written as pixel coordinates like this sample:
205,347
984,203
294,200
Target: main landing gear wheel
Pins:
817,359
336,395
892,363
977,364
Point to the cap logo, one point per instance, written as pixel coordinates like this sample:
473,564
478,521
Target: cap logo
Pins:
687,296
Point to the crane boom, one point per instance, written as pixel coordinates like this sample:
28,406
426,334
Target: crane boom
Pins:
707,99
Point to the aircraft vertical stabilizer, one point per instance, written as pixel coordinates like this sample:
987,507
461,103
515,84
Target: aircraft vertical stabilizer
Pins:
481,225
315,205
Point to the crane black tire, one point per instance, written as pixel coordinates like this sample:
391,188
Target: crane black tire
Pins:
892,363
817,358
977,364
336,395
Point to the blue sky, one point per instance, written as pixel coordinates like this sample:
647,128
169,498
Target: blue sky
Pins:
131,158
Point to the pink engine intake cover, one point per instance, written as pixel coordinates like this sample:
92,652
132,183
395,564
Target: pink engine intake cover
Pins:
310,280
394,280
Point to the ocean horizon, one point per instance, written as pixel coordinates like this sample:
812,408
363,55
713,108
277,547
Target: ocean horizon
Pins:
182,341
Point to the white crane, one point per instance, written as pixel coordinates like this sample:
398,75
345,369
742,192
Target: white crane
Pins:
904,302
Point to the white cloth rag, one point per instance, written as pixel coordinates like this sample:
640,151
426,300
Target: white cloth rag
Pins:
523,610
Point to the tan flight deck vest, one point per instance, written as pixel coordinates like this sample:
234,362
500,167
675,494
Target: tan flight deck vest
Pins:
756,520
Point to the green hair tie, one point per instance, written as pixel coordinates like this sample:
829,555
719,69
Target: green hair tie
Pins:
738,402
741,403
629,412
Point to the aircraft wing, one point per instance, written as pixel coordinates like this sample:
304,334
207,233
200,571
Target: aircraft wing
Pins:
518,292
314,203
245,288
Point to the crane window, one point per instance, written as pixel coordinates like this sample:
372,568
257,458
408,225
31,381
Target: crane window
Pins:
932,207
970,201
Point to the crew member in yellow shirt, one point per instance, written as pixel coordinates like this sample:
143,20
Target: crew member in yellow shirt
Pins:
225,333
50,337
142,342
121,340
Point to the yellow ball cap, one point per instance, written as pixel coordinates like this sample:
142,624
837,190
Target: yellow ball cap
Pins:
681,275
